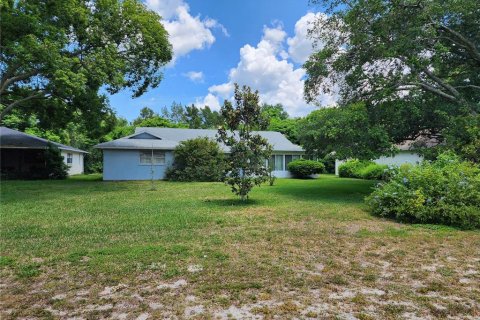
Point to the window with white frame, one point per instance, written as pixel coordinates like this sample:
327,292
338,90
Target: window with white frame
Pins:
149,157
69,159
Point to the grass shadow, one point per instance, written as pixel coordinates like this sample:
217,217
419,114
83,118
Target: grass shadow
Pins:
327,189
85,177
233,202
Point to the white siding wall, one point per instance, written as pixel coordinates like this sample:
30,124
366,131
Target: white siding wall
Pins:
76,167
399,159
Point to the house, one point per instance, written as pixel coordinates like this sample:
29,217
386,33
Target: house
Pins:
21,153
406,153
130,158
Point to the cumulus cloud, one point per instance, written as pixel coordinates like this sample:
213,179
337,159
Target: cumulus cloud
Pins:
195,76
266,67
209,100
166,8
223,90
186,32
300,46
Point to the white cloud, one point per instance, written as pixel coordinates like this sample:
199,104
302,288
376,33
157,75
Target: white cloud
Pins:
166,8
195,76
266,67
212,23
300,46
223,90
186,32
209,100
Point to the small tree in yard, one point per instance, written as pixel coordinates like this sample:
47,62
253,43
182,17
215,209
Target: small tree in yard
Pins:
246,165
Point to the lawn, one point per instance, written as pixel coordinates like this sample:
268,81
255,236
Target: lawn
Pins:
302,248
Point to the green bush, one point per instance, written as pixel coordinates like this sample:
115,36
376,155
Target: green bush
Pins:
303,168
446,191
362,170
93,161
373,171
329,163
197,159
53,166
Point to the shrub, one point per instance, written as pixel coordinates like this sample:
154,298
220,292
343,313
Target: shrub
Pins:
362,170
198,159
446,191
53,168
373,171
329,163
350,169
303,168
93,161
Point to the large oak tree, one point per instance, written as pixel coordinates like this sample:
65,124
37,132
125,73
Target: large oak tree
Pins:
383,49
414,64
60,55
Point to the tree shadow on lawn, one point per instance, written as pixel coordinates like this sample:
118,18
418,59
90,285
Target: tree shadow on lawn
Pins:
232,202
331,190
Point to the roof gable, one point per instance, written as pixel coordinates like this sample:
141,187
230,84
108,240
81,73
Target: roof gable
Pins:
144,135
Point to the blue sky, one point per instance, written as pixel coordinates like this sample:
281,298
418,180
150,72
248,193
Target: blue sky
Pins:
261,43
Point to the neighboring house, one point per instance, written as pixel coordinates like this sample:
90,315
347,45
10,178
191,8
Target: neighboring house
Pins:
130,158
406,154
22,153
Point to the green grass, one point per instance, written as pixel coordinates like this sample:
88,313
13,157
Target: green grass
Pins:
84,232
125,222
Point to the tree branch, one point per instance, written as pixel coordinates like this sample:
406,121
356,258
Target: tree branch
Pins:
471,48
443,84
438,92
8,81
17,102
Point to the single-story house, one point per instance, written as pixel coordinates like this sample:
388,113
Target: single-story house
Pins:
130,157
21,153
406,153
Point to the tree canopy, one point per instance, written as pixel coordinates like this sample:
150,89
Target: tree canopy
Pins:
346,131
57,55
415,66
378,50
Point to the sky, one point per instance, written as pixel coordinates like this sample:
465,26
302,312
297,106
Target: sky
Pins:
260,43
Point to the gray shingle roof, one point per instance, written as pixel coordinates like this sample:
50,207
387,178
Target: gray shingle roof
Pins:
169,138
12,139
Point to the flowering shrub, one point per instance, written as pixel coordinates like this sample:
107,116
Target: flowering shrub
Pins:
446,191
362,170
303,168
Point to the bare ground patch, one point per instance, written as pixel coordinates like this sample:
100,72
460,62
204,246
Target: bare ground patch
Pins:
303,269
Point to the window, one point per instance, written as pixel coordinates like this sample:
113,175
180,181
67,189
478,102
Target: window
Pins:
147,156
288,159
291,157
69,158
279,162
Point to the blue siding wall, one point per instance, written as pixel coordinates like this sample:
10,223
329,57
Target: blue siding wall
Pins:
125,165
